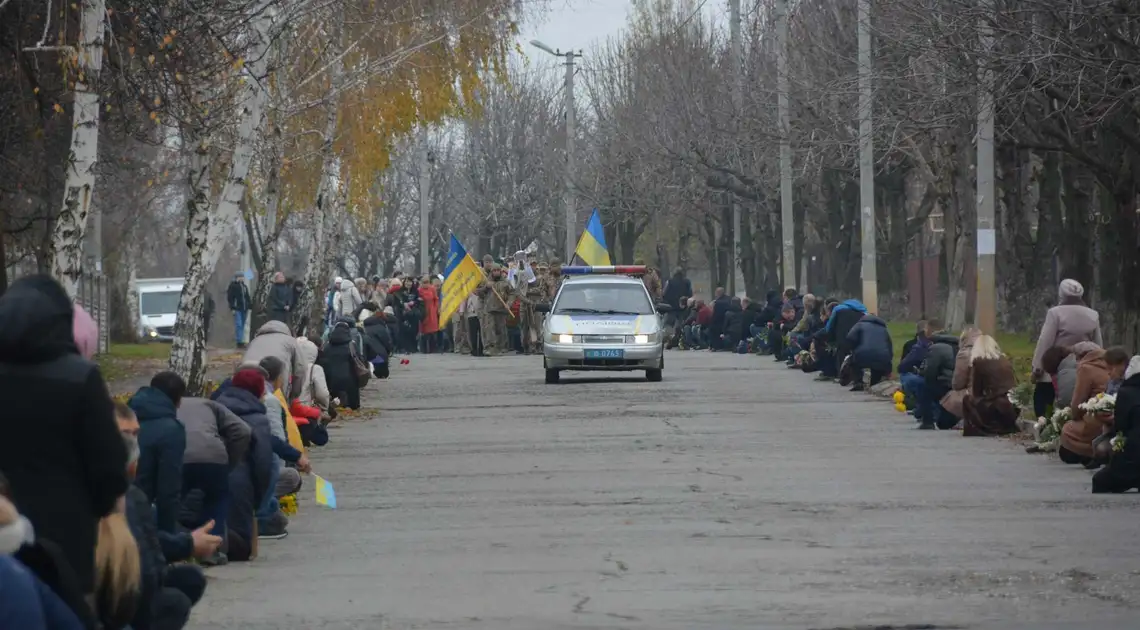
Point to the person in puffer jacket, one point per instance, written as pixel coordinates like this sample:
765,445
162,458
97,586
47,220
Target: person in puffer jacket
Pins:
871,349
312,410
378,343
347,300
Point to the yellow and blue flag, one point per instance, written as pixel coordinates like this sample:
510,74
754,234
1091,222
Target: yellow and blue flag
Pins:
460,277
326,496
592,245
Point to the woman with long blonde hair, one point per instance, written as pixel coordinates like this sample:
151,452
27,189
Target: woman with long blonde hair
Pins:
118,569
986,409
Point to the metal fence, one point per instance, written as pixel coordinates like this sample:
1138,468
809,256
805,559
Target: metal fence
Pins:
91,294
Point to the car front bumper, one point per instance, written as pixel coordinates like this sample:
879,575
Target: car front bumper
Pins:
571,356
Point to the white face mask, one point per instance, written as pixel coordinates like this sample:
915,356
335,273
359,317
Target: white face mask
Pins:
15,535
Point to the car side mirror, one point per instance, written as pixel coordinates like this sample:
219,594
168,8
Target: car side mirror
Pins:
541,308
662,307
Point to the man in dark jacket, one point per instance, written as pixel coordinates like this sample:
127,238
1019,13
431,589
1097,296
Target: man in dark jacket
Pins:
795,300
677,288
733,324
913,357
871,349
938,376
62,454
378,344
237,298
162,444
720,306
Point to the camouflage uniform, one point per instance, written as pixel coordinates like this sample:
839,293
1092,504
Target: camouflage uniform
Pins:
652,282
556,278
497,312
485,302
531,325
460,345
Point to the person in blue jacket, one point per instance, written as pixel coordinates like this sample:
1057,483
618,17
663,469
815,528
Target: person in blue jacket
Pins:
162,445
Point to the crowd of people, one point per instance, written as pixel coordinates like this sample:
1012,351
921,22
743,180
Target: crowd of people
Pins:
110,509
948,380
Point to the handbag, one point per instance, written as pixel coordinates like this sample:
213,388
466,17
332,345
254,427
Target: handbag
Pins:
362,367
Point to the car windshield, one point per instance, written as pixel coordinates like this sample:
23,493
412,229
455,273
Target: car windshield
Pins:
604,299
159,303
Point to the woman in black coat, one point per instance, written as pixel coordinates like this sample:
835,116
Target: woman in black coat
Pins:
62,452
336,359
378,343
1123,470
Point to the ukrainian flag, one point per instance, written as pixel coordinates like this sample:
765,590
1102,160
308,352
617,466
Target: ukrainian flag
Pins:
460,278
592,246
326,496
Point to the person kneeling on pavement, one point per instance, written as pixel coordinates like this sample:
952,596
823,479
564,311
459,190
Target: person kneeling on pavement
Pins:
287,446
871,349
1123,470
216,442
251,481
167,592
312,409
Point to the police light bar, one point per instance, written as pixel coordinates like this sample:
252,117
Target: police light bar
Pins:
568,270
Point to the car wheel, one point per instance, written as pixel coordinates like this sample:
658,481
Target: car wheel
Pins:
653,376
552,376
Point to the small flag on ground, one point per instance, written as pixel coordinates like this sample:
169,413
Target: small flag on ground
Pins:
325,494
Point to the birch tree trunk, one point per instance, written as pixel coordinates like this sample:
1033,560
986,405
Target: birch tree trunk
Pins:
316,272
268,245
132,263
207,232
67,237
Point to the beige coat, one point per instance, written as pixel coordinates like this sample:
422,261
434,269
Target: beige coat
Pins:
1092,379
1066,325
960,384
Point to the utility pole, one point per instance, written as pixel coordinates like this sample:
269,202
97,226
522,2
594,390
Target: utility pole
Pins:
425,211
786,217
738,106
986,310
568,182
867,162
568,190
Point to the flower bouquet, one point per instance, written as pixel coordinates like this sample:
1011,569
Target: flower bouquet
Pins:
801,357
1021,396
288,504
1100,404
1048,430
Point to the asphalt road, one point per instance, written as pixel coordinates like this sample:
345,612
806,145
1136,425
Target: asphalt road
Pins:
735,494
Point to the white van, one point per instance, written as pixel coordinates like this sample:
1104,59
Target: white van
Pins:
158,307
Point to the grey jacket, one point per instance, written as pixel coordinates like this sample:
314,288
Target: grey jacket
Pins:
1066,325
940,360
274,339
214,434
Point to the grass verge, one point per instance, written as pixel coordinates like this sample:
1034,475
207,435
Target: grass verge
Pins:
1018,347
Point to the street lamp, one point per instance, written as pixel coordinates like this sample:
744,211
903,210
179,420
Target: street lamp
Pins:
568,182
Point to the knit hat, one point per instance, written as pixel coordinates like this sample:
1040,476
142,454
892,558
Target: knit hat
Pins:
1070,289
1133,368
395,283
251,381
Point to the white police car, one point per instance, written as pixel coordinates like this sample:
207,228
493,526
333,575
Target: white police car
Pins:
603,319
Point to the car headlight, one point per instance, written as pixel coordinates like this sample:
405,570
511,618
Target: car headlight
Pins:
565,338
150,332
650,338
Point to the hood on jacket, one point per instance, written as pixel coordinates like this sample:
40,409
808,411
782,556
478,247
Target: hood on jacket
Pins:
1094,358
1133,368
377,319
873,319
340,335
239,401
946,339
854,305
307,350
1084,347
36,321
273,326
151,404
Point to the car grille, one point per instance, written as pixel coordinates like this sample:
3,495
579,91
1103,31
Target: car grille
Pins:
604,362
165,331
604,339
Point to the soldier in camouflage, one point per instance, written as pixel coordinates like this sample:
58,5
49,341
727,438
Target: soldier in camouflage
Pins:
652,280
531,324
494,292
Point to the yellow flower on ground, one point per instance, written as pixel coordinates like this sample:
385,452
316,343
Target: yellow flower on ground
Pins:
899,396
900,407
288,504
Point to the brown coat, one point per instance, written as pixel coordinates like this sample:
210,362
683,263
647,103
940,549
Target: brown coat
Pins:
986,410
952,401
1092,379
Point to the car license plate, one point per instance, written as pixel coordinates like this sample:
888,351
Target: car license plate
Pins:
605,354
